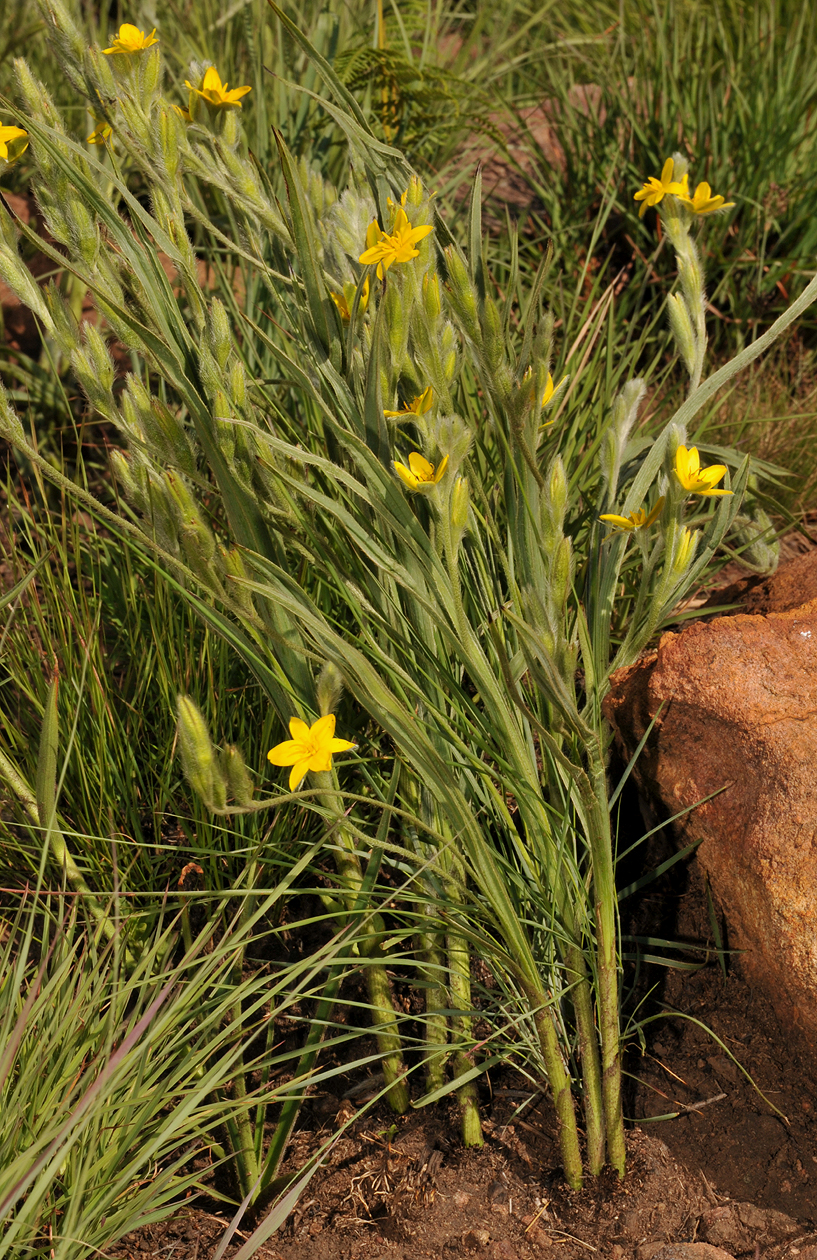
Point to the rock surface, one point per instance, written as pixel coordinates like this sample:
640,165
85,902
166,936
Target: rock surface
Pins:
738,725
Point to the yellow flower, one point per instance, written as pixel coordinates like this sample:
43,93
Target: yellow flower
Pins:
101,133
419,472
654,190
636,520
13,143
130,40
702,201
183,113
693,478
345,301
396,246
417,407
310,748
215,93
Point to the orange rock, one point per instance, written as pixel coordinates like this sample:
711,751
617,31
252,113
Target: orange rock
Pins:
740,714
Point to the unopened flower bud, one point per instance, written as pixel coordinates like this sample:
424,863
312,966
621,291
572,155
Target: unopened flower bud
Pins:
198,756
219,336
431,295
460,498
463,294
65,328
493,345
329,688
236,776
561,575
686,546
682,330
555,505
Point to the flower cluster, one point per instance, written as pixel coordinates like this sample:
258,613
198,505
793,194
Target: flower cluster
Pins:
129,40
655,190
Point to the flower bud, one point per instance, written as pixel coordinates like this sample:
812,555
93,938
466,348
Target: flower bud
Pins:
198,756
463,294
685,548
65,329
171,140
237,381
234,567
150,68
195,533
561,574
555,504
460,498
682,330
219,337
235,775
396,323
493,344
431,295
448,352
329,689
167,435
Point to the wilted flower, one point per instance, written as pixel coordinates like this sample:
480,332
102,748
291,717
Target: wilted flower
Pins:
636,520
345,301
702,201
215,93
654,190
13,143
130,40
417,407
420,472
693,478
101,133
396,246
310,748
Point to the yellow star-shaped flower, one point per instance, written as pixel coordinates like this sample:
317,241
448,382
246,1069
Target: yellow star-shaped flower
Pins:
417,407
636,520
654,190
310,748
130,39
702,201
396,246
13,143
420,473
215,93
693,478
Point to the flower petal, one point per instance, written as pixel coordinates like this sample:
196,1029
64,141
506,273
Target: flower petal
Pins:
419,465
298,773
298,729
287,753
323,730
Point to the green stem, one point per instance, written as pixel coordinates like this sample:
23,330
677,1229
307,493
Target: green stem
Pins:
436,1022
384,1018
459,975
601,848
559,1082
583,1007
